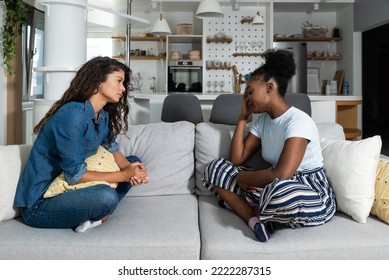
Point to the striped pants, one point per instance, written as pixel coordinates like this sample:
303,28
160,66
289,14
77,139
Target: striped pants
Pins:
307,199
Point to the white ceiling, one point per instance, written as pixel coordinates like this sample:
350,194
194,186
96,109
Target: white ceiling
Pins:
185,5
141,9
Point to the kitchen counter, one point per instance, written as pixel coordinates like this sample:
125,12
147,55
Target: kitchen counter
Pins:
146,107
212,96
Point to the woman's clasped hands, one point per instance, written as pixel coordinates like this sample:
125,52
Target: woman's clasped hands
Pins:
136,174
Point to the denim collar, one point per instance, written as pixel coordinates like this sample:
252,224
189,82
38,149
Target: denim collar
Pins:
91,112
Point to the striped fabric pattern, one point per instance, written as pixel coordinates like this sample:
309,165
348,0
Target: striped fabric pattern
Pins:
307,199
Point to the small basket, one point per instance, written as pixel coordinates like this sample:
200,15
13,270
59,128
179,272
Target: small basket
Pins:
184,29
315,31
194,55
174,55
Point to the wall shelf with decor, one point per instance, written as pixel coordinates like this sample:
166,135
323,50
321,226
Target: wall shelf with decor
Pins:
140,38
247,54
338,57
307,39
140,57
219,40
218,68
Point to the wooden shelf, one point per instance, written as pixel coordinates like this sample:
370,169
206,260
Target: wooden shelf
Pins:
307,39
218,68
248,20
247,54
185,59
324,57
149,57
150,39
219,40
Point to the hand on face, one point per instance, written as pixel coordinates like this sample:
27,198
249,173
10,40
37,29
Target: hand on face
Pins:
246,108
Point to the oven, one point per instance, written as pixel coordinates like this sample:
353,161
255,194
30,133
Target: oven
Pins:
185,76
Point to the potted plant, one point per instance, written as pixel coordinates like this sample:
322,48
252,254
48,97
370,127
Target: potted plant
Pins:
15,17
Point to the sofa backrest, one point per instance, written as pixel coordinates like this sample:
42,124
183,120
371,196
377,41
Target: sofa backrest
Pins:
167,149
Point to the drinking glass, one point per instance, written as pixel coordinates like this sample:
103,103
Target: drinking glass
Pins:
209,85
221,85
214,84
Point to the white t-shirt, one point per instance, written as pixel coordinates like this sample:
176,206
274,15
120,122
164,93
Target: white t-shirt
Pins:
293,123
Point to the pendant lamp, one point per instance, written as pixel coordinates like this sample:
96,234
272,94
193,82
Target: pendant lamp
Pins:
161,27
209,9
257,20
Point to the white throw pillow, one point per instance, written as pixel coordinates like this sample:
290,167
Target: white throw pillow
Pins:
351,168
12,161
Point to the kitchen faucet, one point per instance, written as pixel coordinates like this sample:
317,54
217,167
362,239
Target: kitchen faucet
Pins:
153,85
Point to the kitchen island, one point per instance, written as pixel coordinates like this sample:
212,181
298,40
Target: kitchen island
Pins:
343,109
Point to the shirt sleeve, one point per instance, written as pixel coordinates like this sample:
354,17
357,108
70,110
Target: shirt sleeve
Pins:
300,126
68,131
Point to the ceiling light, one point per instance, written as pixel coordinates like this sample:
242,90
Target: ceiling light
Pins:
161,27
209,9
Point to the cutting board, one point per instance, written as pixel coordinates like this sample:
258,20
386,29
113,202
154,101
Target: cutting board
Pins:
339,77
236,79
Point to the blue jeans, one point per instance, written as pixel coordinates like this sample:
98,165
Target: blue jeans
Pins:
69,209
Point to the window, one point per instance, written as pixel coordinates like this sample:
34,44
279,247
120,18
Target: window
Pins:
32,54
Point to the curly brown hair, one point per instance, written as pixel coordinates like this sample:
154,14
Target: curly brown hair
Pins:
86,83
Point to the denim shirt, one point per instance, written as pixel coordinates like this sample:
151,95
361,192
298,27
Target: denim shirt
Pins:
68,137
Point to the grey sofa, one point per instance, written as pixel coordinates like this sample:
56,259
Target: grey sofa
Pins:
173,217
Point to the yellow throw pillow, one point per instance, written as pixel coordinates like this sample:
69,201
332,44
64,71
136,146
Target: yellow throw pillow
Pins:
102,161
380,207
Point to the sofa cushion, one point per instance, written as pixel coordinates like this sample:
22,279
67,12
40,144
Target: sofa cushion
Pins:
167,151
12,160
380,207
330,131
159,227
225,236
351,168
102,161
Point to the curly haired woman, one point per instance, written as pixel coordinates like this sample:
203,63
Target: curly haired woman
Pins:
90,114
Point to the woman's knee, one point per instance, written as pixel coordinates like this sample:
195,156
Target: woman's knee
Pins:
105,197
133,158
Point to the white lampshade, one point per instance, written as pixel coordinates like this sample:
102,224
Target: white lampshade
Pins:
209,9
161,27
258,20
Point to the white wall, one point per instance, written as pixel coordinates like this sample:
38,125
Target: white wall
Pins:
3,94
370,14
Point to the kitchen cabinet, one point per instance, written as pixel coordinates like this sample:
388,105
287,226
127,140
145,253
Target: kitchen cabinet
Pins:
183,44
340,109
347,116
